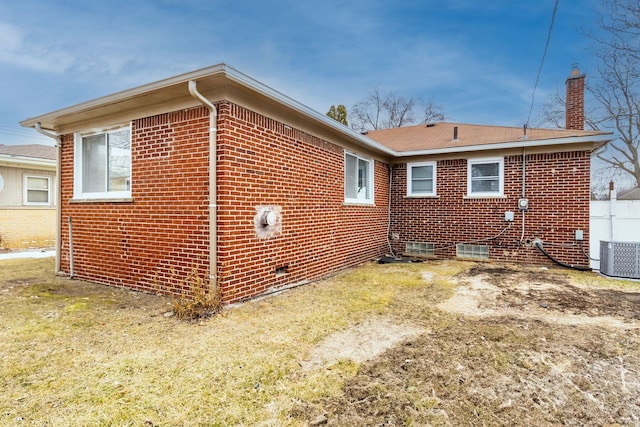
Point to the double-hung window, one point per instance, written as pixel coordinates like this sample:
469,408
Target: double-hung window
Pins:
37,190
485,177
358,179
421,179
103,164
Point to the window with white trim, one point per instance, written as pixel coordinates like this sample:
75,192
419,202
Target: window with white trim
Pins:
485,177
103,164
358,179
37,190
421,179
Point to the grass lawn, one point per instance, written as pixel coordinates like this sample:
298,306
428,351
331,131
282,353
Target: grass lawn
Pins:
76,353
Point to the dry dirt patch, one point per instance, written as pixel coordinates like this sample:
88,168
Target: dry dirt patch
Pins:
360,342
512,346
80,354
540,293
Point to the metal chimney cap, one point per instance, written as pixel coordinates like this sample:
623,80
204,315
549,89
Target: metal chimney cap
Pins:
575,70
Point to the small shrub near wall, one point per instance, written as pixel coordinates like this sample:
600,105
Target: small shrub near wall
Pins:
202,300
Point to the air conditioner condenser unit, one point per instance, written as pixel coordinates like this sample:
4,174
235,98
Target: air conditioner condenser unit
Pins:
620,259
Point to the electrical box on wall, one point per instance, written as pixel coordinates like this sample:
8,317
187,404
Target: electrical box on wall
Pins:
508,216
523,204
579,235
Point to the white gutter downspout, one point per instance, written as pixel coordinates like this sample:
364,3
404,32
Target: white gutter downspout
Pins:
58,193
213,194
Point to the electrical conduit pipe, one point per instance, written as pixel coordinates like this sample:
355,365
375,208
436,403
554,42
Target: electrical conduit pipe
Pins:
538,245
213,194
524,187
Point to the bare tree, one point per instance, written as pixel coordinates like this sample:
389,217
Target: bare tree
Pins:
553,112
432,112
383,110
617,86
620,20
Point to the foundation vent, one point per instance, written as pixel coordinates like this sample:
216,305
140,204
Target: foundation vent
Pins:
419,249
477,252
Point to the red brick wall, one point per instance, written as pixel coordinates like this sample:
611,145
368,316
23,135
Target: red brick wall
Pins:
153,242
263,162
557,188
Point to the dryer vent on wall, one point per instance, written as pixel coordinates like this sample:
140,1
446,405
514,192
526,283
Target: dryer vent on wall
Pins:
268,221
620,259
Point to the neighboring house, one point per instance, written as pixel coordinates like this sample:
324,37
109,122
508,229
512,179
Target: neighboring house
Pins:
27,198
630,194
294,195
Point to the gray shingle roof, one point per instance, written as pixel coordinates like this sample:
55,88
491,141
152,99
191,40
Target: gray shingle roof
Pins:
29,150
632,194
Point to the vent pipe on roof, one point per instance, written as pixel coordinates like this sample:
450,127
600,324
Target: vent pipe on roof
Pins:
455,133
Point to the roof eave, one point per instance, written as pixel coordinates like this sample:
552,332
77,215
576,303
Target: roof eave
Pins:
599,140
10,160
224,71
281,98
47,119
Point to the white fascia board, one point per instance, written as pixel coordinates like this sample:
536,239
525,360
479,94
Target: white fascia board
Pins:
17,161
525,143
281,98
231,74
260,88
128,93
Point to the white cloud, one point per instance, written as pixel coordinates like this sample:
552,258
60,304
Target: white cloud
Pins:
10,37
319,54
17,50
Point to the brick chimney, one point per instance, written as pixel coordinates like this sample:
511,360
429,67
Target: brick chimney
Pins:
575,100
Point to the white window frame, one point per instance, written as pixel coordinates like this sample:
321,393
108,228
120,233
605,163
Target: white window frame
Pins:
481,161
369,200
410,191
78,167
25,190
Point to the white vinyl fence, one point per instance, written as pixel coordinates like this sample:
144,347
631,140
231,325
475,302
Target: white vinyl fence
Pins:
613,221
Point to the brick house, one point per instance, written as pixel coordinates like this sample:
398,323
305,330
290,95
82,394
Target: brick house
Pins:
27,202
293,194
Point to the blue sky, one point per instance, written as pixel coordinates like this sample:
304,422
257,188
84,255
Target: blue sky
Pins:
479,60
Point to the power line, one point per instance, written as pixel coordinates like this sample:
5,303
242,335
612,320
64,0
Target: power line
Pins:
15,129
10,134
544,54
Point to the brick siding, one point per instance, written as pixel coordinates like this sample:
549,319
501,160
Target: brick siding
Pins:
27,227
154,241
574,116
557,188
264,163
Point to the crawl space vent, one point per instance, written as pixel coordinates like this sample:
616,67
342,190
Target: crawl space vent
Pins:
419,248
472,251
620,259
